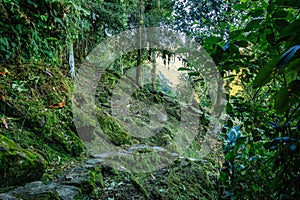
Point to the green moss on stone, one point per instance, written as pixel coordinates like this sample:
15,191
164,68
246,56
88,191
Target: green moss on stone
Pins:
185,179
116,133
88,186
17,165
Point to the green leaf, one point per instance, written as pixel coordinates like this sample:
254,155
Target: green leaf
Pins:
217,57
280,14
241,43
264,75
235,34
280,24
292,29
256,13
270,38
212,40
194,74
240,6
289,3
32,3
294,87
292,70
230,156
58,20
281,101
254,24
229,108
183,69
291,76
294,65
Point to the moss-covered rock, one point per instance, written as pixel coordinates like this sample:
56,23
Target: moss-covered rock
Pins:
114,130
17,165
186,178
82,178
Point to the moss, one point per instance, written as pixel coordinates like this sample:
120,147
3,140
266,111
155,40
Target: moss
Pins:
116,133
185,179
138,186
88,186
98,177
28,103
17,165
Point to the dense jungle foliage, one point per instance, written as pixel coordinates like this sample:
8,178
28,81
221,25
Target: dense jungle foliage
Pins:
254,44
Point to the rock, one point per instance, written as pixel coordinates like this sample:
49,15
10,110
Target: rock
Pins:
187,178
6,196
17,165
94,161
82,178
145,148
36,191
110,154
115,131
67,192
39,191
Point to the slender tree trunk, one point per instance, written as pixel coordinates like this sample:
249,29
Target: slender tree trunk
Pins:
139,57
71,60
153,71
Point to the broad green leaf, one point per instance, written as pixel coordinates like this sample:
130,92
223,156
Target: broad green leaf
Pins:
294,87
282,100
264,75
280,24
256,13
212,40
229,108
194,74
241,6
292,29
289,3
217,57
183,69
233,50
280,14
291,76
241,43
270,38
235,34
230,156
254,24
294,65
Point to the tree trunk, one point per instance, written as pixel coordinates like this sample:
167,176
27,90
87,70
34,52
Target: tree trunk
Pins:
139,57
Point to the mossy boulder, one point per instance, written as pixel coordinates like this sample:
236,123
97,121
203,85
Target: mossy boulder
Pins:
17,165
115,131
186,178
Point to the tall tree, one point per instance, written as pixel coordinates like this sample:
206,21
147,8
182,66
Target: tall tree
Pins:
139,56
